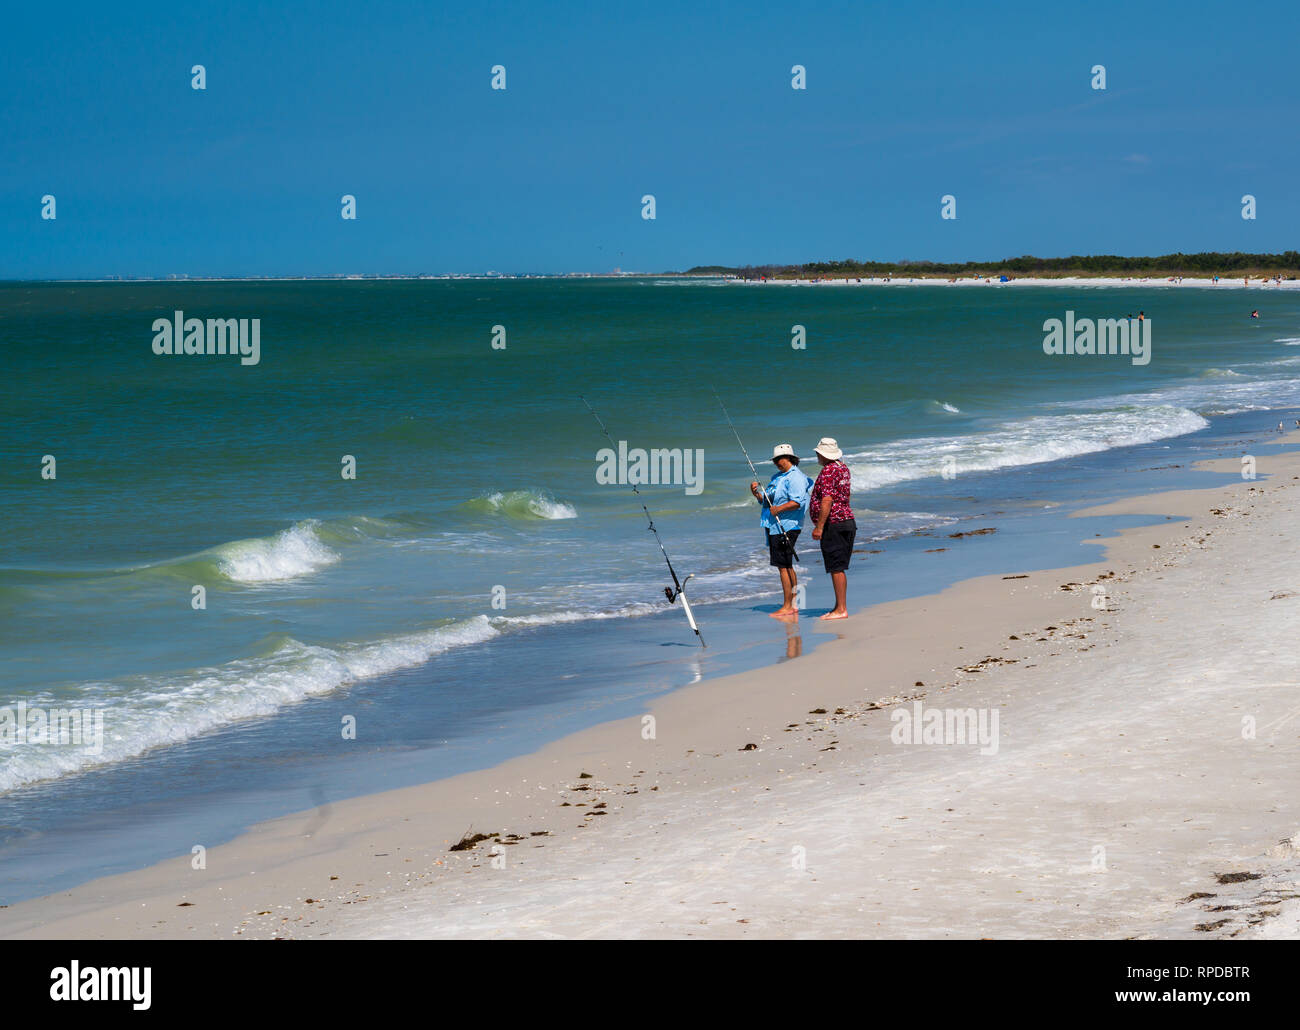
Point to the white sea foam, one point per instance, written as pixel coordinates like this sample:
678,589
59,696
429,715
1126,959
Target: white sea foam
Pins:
1220,373
145,713
1027,441
297,551
890,525
527,503
627,611
549,509
1214,395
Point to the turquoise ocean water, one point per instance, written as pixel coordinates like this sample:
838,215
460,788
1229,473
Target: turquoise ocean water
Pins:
372,597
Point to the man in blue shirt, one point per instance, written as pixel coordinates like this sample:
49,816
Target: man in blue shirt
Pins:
785,503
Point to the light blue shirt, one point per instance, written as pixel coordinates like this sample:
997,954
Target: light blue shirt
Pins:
782,488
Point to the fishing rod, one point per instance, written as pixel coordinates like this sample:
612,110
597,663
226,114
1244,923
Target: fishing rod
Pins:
678,589
762,493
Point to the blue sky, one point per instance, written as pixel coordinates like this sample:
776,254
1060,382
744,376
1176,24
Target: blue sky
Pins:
608,101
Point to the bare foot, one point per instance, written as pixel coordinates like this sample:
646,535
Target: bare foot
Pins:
837,614
782,613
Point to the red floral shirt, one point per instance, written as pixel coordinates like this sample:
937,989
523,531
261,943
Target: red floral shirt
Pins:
832,482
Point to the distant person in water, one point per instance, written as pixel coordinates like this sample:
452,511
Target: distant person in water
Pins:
785,502
833,521
1255,313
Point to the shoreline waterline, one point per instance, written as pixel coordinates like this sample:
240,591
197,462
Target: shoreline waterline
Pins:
488,783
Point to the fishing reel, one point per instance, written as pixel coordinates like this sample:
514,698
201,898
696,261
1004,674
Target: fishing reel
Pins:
673,595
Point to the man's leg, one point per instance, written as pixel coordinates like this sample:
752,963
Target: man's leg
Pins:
788,582
840,581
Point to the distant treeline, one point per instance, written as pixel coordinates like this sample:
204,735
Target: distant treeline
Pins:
1203,265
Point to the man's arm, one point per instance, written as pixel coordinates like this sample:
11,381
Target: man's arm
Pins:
770,501
825,513
822,516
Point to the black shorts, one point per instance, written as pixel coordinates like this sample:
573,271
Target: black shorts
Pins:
782,554
837,544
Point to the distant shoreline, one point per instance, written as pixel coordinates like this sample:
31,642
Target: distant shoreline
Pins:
1202,265
336,278
1108,269
1275,280
1236,283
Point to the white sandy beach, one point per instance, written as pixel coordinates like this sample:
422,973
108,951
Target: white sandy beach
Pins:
1144,748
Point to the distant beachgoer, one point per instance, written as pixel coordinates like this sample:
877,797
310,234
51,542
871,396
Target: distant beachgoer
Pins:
786,504
1142,316
834,525
1255,313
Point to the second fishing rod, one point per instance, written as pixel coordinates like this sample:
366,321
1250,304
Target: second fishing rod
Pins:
763,499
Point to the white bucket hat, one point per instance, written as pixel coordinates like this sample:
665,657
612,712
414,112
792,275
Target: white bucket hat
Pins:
783,450
828,448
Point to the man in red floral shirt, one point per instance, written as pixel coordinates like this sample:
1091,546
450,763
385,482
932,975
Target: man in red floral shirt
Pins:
833,521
